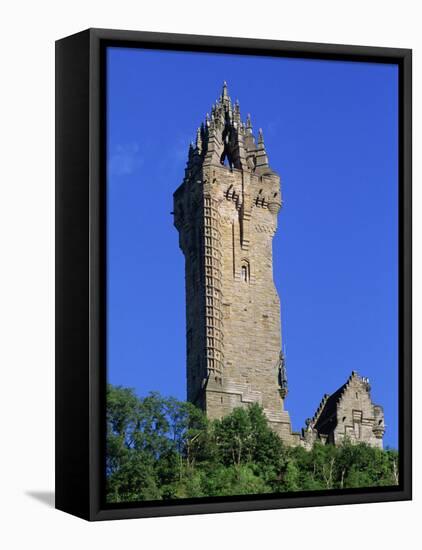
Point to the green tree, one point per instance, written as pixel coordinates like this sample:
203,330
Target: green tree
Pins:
162,448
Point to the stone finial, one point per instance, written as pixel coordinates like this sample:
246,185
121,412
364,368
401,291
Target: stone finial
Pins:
225,94
199,140
262,159
236,114
249,123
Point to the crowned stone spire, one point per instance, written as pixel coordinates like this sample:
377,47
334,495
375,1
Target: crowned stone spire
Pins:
224,139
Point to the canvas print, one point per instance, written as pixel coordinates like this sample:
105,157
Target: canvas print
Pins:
252,275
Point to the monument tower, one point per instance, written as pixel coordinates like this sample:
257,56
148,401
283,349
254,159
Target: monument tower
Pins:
226,213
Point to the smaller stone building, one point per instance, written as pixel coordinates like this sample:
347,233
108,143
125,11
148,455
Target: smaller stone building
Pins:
348,413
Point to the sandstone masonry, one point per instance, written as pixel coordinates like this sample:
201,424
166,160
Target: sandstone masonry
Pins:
348,413
226,212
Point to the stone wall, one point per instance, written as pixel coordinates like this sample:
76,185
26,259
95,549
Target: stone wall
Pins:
347,414
358,419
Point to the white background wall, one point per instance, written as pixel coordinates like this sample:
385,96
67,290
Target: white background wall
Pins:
27,36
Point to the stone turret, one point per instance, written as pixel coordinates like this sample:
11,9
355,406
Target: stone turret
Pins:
226,211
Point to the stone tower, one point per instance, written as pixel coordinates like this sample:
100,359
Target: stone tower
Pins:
226,213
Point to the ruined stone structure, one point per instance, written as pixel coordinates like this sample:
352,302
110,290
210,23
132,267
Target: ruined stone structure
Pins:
226,212
347,413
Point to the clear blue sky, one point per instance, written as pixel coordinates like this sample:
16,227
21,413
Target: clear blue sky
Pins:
331,133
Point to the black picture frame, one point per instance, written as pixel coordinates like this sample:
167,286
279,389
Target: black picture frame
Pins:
80,271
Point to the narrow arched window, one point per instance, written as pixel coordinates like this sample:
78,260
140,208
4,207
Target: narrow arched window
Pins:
245,271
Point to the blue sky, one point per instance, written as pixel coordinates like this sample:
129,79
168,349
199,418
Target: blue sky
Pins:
331,133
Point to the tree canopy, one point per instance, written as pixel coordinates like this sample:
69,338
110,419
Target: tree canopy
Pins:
161,448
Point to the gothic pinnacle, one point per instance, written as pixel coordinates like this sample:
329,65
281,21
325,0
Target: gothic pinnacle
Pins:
249,123
198,140
237,113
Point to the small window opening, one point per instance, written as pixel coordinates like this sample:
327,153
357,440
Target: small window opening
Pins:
245,271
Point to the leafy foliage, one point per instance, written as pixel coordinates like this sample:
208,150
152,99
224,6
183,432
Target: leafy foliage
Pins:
161,448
